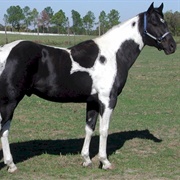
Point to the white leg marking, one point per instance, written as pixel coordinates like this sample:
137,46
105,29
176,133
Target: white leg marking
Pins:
103,130
85,149
6,149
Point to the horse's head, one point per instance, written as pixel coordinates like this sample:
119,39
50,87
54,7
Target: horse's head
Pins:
156,32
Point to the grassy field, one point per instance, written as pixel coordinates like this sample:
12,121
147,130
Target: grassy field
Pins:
62,41
46,138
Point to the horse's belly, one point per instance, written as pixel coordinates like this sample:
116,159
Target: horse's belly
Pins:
72,88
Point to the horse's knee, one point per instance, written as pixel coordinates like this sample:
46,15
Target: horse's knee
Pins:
88,130
5,129
103,132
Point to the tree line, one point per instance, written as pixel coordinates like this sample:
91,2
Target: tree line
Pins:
25,19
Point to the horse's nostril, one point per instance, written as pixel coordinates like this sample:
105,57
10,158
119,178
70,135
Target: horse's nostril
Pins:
172,47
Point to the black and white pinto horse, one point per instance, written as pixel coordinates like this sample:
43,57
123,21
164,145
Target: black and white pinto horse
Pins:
94,72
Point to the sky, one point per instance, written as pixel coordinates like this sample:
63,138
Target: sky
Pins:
126,8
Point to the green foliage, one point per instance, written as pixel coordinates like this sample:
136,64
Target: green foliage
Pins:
88,21
173,21
27,16
103,20
60,20
109,20
113,18
15,16
77,22
49,11
34,15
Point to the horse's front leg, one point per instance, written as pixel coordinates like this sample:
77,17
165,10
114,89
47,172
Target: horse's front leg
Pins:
103,130
91,119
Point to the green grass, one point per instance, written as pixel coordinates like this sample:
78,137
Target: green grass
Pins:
62,41
46,138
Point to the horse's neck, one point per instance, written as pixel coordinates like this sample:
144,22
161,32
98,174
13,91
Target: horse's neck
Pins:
115,37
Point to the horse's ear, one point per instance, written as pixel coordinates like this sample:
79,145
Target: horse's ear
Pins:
161,7
151,8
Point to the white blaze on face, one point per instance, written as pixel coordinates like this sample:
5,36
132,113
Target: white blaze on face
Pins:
4,53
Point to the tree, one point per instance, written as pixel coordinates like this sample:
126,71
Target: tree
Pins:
177,18
103,22
43,20
59,19
173,21
15,16
113,18
88,21
34,15
77,22
5,22
50,13
27,17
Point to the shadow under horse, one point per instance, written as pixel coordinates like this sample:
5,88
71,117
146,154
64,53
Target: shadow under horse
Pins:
29,149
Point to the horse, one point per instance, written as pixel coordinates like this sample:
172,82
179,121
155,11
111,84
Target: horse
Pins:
92,72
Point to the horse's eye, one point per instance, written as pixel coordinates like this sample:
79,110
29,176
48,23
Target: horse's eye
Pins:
154,20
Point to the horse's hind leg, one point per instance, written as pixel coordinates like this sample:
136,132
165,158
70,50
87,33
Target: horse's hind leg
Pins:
8,160
6,113
92,112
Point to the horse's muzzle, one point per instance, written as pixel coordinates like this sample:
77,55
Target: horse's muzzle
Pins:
171,48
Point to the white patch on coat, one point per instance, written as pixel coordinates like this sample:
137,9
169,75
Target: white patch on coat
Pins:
110,42
103,75
4,53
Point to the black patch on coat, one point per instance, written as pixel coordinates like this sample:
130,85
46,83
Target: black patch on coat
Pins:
85,53
125,58
141,26
55,83
102,59
17,77
133,24
45,71
92,112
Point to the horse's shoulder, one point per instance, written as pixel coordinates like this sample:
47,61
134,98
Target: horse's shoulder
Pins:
85,53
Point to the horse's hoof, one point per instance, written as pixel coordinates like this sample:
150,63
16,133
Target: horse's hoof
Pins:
87,164
12,169
108,167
